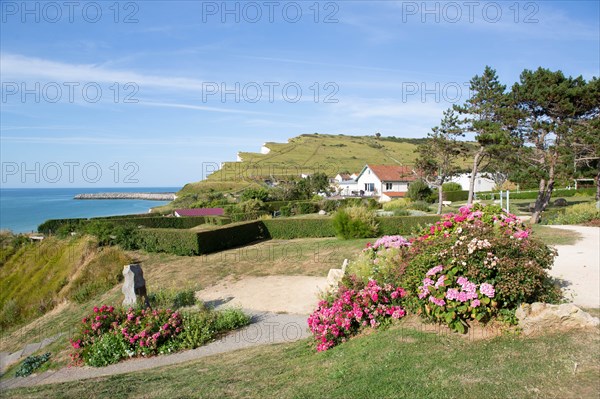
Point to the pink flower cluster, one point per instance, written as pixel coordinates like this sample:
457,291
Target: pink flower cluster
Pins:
336,322
389,242
144,330
465,291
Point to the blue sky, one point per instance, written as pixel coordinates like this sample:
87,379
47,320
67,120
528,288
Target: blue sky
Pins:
130,93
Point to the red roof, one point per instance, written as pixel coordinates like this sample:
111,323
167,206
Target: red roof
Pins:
200,212
393,172
394,194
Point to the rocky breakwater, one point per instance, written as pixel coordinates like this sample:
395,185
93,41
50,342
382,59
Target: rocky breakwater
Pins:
138,196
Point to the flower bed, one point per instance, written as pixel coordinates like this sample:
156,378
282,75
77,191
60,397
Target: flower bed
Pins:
477,265
110,334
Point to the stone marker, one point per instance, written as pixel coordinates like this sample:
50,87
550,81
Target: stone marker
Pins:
539,317
335,275
134,285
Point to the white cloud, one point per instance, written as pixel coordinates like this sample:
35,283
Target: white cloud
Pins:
15,66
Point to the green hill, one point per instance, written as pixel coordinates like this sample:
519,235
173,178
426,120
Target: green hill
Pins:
308,153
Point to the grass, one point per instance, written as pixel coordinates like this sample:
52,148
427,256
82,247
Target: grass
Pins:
309,256
40,275
398,362
555,236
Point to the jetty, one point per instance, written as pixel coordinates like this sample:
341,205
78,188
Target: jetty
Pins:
138,196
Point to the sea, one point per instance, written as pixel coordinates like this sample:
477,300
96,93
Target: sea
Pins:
22,210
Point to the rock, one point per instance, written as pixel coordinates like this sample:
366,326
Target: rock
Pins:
134,285
322,212
561,202
335,275
538,317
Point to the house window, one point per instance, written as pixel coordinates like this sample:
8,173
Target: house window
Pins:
388,186
370,187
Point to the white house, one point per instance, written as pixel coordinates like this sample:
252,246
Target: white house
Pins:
385,181
482,183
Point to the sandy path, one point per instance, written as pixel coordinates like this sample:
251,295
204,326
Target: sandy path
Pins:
276,294
579,266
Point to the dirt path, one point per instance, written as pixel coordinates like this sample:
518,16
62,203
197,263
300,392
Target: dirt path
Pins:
276,294
579,267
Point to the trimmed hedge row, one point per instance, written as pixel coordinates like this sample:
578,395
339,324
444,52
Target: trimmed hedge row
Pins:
231,236
158,222
162,222
173,241
185,242
299,228
403,224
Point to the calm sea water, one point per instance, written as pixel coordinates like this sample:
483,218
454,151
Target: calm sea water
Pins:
22,210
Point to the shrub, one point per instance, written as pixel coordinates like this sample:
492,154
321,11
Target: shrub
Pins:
336,321
401,203
355,222
418,191
379,261
579,213
31,363
420,206
401,212
260,193
451,186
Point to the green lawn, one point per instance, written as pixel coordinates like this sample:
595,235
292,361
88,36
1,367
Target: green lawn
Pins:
396,363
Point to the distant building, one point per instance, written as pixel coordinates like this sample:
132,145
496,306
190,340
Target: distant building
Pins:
199,212
482,183
389,180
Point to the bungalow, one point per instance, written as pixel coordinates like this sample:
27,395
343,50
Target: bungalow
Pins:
385,181
345,184
199,212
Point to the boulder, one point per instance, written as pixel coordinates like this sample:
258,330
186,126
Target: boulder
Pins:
322,212
560,202
539,317
134,285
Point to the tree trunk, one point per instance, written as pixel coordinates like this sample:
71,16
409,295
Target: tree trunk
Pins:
440,200
543,198
598,183
476,161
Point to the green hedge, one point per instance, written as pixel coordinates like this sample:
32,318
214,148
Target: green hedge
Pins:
52,225
455,195
403,225
173,241
230,236
162,222
299,228
185,242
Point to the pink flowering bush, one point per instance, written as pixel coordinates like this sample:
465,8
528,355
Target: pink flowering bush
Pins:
476,265
454,299
110,334
335,321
